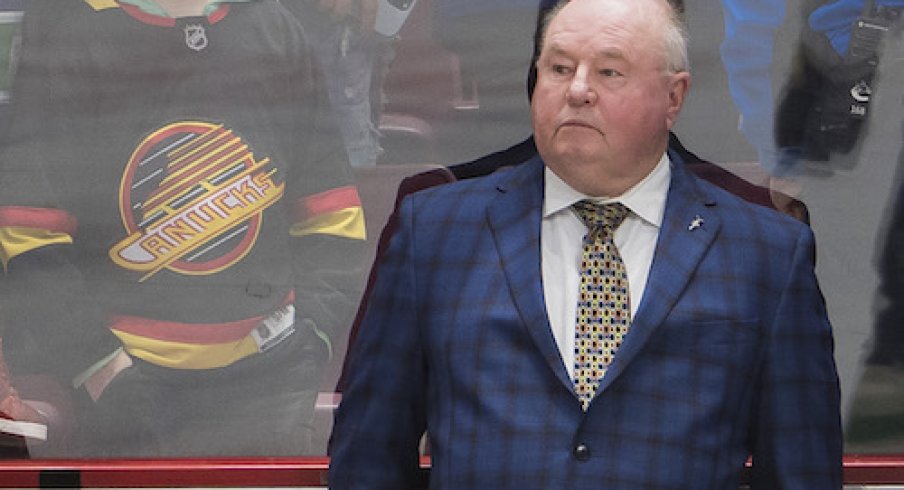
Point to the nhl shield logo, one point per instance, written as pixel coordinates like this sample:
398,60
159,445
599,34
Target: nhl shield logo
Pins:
195,37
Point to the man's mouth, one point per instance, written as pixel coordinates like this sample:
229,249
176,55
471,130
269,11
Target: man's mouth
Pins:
575,123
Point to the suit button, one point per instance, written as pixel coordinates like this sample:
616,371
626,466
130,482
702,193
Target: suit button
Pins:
581,452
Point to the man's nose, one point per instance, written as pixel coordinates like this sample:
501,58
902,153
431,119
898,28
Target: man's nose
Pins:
579,90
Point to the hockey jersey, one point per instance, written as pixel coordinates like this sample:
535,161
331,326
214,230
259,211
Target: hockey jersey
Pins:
177,182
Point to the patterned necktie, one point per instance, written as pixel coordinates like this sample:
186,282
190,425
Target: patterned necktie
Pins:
604,310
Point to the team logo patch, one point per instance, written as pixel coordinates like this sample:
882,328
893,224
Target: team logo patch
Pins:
195,36
191,200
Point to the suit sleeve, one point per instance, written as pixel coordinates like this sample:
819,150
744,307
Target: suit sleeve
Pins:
382,415
796,437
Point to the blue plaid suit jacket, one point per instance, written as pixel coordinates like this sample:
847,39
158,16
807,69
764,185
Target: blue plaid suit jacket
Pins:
729,355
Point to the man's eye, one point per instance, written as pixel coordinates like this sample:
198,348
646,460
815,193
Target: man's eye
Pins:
609,72
561,69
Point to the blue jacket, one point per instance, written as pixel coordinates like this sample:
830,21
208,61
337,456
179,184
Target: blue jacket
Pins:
729,355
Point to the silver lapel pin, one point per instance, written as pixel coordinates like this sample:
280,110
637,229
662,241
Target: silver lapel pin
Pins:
696,223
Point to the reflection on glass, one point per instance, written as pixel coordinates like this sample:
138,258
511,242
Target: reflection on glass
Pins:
839,125
181,197
181,233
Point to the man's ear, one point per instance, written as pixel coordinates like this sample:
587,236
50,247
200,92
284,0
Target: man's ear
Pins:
679,84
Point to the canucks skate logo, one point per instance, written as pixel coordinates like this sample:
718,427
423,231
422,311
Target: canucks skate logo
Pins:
191,200
195,37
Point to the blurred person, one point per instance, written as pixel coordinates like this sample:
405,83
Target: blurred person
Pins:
827,98
804,107
178,225
838,126
486,327
492,40
747,52
355,59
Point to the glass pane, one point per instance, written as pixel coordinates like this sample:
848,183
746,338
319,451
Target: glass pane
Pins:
192,195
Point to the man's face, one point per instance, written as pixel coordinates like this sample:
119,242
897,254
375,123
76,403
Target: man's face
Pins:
604,103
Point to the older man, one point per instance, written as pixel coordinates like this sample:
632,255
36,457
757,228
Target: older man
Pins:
596,317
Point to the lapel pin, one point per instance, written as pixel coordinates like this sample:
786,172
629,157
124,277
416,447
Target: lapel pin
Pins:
696,223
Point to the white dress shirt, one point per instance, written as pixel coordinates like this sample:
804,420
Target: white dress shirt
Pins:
561,240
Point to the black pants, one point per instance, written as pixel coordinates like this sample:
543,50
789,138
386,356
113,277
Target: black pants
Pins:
260,406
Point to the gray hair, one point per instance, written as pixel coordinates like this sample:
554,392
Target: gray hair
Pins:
674,36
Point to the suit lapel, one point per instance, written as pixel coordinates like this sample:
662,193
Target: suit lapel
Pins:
514,220
689,226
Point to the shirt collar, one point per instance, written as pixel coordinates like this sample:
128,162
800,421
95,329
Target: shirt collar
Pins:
645,199
150,7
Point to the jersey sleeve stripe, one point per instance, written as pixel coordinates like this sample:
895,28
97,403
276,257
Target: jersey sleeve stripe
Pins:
336,212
